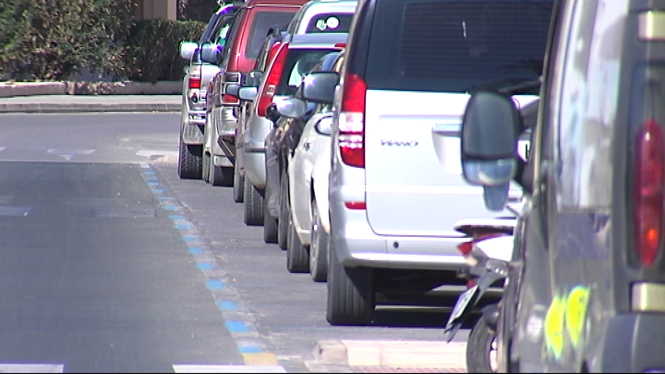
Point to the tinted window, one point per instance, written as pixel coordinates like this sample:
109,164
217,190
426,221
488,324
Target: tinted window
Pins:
299,62
329,22
262,22
457,46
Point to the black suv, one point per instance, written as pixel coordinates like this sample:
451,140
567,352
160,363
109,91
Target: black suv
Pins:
586,292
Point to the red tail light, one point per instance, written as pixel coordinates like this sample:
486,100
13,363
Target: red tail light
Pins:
340,45
272,80
352,121
648,193
194,81
356,205
465,248
228,99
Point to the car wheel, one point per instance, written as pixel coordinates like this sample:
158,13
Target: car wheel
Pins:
269,227
220,175
283,219
238,185
253,206
318,250
481,348
297,256
350,293
189,161
205,166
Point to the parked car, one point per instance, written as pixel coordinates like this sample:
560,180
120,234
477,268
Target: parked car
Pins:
197,76
257,125
306,137
396,187
587,292
253,79
298,57
236,59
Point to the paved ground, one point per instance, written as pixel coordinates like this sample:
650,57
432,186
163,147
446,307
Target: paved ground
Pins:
358,355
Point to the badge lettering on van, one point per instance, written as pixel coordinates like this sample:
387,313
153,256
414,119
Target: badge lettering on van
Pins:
399,143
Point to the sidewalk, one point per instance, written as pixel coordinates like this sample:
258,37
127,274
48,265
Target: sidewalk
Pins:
54,97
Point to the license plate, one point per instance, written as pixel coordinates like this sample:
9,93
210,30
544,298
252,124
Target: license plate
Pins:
462,304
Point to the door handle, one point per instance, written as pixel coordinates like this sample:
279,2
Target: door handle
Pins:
306,145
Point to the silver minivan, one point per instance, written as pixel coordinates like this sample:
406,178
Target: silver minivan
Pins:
396,187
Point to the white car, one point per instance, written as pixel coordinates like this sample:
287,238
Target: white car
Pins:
308,173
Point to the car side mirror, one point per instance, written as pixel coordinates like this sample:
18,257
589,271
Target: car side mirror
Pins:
247,93
319,87
491,128
187,49
324,125
291,107
232,89
254,78
210,53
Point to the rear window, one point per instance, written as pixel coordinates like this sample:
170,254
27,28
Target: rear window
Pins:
457,46
261,23
329,22
298,63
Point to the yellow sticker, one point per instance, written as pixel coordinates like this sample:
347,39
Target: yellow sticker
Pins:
554,326
576,307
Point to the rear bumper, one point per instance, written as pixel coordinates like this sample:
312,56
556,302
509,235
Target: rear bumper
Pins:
357,245
631,343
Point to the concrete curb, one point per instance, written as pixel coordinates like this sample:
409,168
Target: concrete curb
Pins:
13,89
396,354
93,107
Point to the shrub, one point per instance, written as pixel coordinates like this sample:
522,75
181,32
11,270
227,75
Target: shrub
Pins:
55,39
153,49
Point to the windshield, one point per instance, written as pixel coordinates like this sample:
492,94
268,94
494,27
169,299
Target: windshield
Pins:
456,46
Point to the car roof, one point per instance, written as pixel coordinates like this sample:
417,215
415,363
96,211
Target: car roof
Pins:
317,40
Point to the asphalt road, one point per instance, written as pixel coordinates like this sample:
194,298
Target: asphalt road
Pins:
111,263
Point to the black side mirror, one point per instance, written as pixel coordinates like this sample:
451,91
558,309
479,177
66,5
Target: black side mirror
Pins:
272,113
319,87
210,53
491,128
254,78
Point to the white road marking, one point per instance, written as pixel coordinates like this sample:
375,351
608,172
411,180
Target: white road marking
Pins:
67,154
228,369
31,368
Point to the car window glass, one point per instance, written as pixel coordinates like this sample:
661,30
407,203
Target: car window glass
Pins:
232,34
457,46
589,99
298,63
329,22
261,23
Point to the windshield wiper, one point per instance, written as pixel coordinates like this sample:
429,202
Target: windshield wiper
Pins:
509,90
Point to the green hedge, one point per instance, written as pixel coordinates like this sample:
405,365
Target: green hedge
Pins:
57,39
153,49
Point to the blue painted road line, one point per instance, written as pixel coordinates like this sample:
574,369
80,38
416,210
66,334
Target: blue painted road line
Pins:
214,284
236,326
204,266
226,305
195,251
250,349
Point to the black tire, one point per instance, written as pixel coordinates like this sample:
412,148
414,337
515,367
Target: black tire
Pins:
205,167
283,219
297,255
253,206
269,227
189,161
318,250
350,293
238,185
479,348
220,175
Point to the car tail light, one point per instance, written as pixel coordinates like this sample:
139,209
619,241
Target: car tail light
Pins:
352,121
340,45
273,51
355,205
272,80
228,99
194,81
648,192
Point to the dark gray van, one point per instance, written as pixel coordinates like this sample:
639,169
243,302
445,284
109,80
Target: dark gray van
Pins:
586,292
